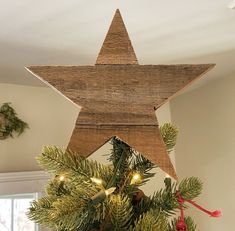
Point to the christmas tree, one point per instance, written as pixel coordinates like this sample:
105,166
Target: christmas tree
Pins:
86,195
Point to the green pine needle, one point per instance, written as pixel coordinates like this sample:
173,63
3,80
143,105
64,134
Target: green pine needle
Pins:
11,123
169,134
190,188
69,205
153,220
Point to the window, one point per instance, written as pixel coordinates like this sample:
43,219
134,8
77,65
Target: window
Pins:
13,210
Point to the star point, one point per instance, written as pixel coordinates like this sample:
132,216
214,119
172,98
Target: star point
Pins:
118,97
117,47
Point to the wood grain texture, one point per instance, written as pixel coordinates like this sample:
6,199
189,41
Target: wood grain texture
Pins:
117,47
119,94
145,139
118,99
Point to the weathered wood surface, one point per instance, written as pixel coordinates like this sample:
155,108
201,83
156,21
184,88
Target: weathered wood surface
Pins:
117,47
119,100
145,139
119,94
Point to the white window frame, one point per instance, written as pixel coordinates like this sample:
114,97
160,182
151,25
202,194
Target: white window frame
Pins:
23,183
19,196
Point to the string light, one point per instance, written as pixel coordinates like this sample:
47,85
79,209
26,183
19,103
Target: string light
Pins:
101,195
61,178
167,176
110,191
136,178
97,180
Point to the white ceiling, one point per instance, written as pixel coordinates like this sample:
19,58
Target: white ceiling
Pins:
71,32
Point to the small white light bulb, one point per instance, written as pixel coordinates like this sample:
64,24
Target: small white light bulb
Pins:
167,176
136,178
110,191
96,180
61,178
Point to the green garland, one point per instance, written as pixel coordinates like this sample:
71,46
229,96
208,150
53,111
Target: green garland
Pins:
9,122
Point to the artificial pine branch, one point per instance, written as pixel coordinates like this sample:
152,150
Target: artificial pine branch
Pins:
190,188
169,134
153,220
58,188
121,215
120,158
70,203
165,199
57,161
40,211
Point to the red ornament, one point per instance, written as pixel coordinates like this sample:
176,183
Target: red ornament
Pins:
181,224
216,213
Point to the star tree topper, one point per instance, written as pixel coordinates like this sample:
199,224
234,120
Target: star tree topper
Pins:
118,97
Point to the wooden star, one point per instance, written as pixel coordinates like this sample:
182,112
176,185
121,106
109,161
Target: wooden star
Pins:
118,97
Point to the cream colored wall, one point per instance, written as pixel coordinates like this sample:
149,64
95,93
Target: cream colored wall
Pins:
50,117
206,148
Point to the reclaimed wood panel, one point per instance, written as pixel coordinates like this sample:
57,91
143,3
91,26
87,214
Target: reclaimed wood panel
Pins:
117,47
145,139
118,97
120,94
